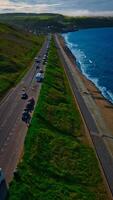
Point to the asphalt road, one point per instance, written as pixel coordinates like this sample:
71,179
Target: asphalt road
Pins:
104,156
12,129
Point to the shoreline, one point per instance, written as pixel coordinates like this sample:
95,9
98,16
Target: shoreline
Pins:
85,74
104,105
96,113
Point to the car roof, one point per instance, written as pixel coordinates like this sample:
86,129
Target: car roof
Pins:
1,175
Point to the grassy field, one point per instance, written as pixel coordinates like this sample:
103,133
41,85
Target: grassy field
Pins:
17,50
58,163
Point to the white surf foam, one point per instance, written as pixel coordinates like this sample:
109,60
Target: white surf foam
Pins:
91,61
84,64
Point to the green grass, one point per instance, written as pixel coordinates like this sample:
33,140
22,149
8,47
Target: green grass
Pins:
17,50
57,163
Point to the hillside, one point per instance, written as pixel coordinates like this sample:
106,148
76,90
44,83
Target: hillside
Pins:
45,23
17,50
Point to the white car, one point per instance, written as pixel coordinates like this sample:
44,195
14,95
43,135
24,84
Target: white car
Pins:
39,77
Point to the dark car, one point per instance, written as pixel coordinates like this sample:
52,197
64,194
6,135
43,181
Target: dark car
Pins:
41,71
38,61
3,186
29,107
26,117
24,95
31,101
37,67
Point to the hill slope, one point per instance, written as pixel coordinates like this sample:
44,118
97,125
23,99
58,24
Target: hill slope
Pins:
17,50
54,22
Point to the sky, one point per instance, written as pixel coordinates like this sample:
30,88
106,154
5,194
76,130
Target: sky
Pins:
67,7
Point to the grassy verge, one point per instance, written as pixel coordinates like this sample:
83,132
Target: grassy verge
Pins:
57,163
17,50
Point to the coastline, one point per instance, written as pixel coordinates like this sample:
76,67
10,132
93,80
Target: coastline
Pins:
96,129
105,106
101,108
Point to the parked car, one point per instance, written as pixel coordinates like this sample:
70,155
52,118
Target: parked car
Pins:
38,61
26,117
16,174
41,71
1,175
37,66
39,77
29,107
24,95
36,58
3,186
31,101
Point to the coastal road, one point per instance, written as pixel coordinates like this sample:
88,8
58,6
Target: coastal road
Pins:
12,129
102,152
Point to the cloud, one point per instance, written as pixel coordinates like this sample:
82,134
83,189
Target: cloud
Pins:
67,7
23,7
100,5
87,13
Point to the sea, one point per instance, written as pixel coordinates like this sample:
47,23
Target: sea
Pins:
93,49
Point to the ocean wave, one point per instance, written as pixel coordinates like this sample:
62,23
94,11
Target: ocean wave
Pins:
90,61
82,61
81,58
72,46
69,44
66,37
107,94
85,64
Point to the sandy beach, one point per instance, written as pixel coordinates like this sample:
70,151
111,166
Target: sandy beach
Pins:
101,108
